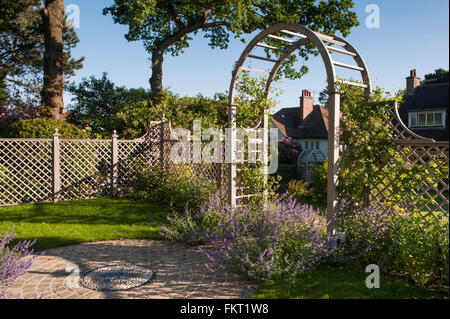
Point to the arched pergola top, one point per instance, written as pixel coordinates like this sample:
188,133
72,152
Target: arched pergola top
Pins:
298,36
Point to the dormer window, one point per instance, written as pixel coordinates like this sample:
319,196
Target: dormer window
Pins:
426,119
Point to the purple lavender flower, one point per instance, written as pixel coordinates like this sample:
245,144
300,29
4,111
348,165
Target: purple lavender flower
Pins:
14,262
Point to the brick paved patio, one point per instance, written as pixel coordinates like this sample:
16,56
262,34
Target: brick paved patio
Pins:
179,272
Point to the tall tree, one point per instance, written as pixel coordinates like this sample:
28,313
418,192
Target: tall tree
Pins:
53,25
168,26
22,49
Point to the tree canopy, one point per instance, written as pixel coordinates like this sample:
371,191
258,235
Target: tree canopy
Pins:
102,106
438,76
169,26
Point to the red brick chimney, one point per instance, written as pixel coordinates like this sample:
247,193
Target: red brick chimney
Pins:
412,81
306,105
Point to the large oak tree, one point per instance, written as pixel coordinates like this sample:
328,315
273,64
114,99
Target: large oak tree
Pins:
168,26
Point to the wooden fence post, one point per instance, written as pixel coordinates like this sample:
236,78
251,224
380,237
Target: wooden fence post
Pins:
161,145
232,156
219,165
56,180
114,162
333,161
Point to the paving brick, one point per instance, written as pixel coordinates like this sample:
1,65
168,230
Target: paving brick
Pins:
179,269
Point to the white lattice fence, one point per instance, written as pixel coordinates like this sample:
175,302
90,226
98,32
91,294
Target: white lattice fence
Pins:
25,171
43,170
85,169
425,192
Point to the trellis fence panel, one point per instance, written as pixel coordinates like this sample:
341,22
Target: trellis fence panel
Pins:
428,192
45,170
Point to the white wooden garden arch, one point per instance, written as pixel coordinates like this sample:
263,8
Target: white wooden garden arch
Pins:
296,36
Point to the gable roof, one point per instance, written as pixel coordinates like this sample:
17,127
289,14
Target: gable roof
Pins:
315,125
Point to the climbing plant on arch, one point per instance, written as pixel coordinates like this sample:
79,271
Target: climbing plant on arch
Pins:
280,41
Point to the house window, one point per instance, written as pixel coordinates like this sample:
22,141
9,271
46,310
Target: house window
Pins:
433,119
306,145
317,145
413,119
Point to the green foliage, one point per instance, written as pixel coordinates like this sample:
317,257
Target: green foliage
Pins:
314,194
177,186
285,173
22,45
155,22
44,128
169,26
253,100
405,244
364,134
101,105
370,159
182,111
104,107
420,249
439,76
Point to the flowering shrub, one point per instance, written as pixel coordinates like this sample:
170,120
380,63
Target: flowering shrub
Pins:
277,242
13,261
366,233
289,151
18,105
177,186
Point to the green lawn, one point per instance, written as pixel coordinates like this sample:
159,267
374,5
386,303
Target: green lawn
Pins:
342,282
67,223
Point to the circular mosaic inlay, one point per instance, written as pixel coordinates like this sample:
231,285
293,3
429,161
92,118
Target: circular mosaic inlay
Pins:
117,277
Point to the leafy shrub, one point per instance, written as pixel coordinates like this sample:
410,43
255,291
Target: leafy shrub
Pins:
420,250
13,261
400,243
288,151
177,186
285,174
366,232
314,193
191,226
273,243
44,128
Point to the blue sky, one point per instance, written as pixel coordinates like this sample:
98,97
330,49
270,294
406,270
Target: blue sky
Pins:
412,34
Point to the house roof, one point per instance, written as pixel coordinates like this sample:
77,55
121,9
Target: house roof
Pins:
315,125
428,97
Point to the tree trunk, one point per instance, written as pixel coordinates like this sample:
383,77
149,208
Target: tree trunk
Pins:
157,75
52,92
